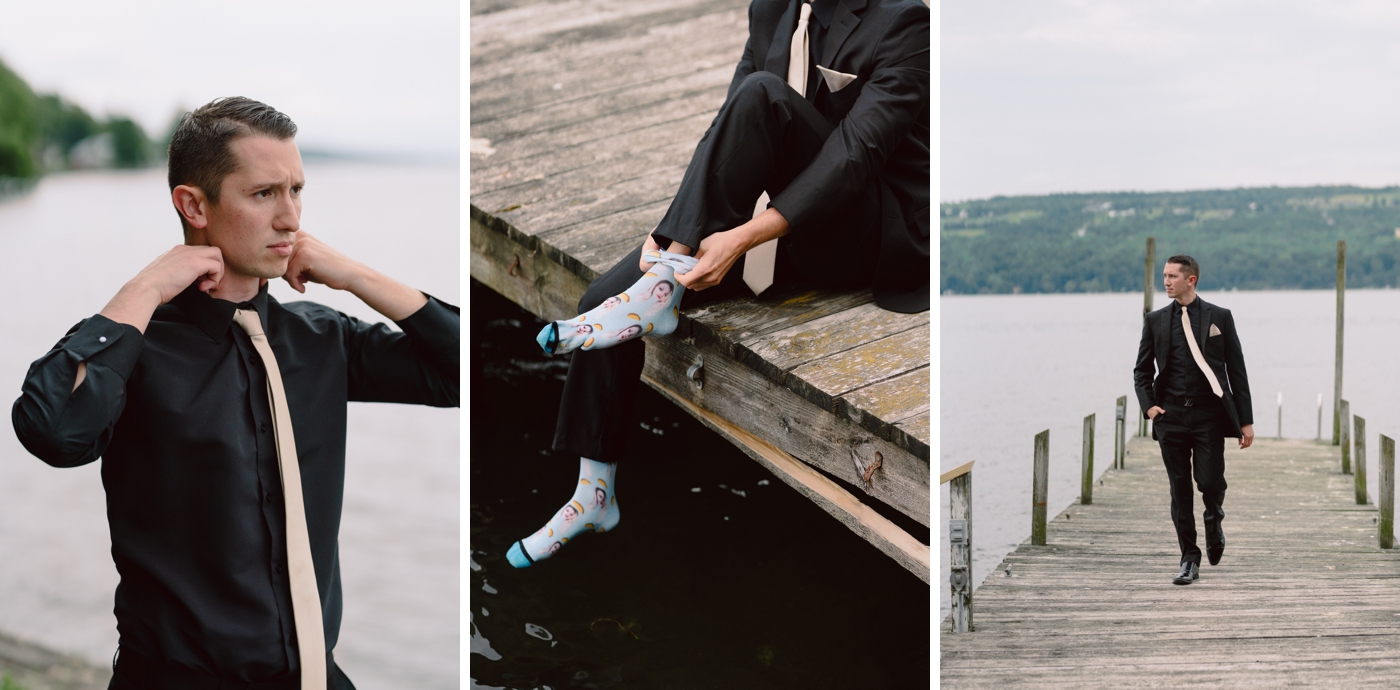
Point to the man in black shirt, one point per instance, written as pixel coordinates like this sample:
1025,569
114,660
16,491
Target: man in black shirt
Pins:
173,396
1199,397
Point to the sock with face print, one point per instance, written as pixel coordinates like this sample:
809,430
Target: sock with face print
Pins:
651,307
593,508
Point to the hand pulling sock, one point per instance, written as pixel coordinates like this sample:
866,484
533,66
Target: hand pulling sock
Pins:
593,508
651,307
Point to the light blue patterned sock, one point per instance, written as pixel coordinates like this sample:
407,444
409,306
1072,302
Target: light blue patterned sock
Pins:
651,307
593,508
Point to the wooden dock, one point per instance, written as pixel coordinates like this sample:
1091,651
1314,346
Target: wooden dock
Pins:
583,118
1303,596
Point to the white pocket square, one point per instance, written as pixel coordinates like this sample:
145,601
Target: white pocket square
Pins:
1214,330
835,81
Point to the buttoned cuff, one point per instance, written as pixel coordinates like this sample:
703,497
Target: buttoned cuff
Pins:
103,341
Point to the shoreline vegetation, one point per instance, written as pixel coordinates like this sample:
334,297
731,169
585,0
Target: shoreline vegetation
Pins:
44,132
1260,238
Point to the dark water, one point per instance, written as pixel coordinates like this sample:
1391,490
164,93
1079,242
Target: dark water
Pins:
743,584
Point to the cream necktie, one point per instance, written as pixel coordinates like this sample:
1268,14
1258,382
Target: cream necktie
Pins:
1196,354
759,261
306,600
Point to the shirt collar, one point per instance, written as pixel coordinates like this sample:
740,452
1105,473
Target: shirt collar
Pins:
824,10
215,316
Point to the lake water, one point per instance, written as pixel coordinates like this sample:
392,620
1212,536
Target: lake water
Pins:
719,575
1012,366
69,245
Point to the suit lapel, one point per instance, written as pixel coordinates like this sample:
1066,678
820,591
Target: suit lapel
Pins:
842,24
778,53
1203,330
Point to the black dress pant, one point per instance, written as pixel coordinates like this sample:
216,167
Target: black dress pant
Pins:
136,672
764,136
1193,443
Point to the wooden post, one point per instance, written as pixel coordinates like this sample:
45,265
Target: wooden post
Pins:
1038,486
1086,483
1319,418
1359,458
1148,280
1346,437
1280,415
1341,318
1120,440
960,545
1385,526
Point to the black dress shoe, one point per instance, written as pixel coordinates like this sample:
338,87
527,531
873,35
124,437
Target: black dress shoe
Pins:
1215,552
1189,572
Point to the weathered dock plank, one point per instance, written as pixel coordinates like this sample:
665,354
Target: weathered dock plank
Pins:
583,119
1303,596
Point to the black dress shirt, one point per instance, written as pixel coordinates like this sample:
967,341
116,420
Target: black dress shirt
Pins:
1184,376
181,420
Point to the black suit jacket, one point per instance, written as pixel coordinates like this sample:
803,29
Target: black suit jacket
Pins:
1221,352
882,128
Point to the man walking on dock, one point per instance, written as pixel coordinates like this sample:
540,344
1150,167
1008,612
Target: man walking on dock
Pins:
1199,397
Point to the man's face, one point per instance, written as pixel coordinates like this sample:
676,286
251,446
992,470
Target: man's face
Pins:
259,210
1175,280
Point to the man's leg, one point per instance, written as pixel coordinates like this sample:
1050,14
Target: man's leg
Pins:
1209,468
1175,439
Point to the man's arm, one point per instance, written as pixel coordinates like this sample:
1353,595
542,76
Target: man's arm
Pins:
1239,381
1144,370
420,365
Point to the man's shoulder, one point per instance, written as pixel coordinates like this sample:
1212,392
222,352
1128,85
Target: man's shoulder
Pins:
1215,308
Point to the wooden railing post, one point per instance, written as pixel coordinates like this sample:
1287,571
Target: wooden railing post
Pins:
960,545
1359,458
1086,483
1385,526
1042,473
1319,418
1120,435
1345,411
1149,278
1280,415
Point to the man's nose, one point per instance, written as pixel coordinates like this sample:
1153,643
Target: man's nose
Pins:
288,217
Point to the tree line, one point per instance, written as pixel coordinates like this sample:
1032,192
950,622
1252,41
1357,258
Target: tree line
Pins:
1246,239
40,132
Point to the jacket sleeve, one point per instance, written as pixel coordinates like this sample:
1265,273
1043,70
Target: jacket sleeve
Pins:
66,427
894,96
1146,366
745,67
1234,369
420,366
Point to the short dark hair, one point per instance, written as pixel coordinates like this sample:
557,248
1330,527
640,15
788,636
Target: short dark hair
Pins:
1188,265
199,153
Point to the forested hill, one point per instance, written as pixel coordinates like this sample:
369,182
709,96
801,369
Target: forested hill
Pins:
1247,239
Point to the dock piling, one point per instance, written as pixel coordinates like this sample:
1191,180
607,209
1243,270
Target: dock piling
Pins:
1346,437
1341,314
1359,457
1319,418
1385,526
1086,483
1148,278
1038,487
1280,415
1120,435
959,483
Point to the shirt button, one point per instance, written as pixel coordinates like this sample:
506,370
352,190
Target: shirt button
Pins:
268,497
101,338
277,568
262,426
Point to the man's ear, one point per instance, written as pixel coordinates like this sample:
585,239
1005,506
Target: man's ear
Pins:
1192,280
192,205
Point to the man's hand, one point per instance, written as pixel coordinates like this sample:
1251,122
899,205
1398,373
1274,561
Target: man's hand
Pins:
1153,411
161,280
1246,436
719,251
315,261
651,245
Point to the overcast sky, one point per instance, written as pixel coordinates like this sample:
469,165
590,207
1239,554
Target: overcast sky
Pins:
1043,96
356,76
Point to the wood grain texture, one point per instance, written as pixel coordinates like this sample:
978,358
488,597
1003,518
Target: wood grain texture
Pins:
1302,597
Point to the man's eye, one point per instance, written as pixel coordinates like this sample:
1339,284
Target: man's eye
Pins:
264,193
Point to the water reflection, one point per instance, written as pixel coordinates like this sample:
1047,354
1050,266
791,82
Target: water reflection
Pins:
717,577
